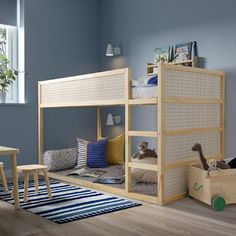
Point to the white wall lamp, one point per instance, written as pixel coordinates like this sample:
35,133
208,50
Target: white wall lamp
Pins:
111,120
112,51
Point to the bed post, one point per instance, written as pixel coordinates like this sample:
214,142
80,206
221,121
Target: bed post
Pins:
127,129
40,127
222,116
99,123
161,138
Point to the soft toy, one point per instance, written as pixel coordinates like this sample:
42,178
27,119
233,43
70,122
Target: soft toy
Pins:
220,164
144,151
212,167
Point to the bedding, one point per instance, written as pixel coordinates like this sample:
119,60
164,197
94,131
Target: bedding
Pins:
145,80
144,92
117,171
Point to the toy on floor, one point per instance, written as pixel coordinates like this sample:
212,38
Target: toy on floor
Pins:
220,164
212,166
216,191
144,151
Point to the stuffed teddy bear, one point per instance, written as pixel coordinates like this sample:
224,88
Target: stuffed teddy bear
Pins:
212,167
144,151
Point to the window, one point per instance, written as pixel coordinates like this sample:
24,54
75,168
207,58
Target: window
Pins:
8,46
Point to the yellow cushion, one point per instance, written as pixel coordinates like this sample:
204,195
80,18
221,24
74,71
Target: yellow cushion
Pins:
116,149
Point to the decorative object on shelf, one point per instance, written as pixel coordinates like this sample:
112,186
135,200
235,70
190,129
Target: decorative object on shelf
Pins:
111,120
112,51
162,55
184,52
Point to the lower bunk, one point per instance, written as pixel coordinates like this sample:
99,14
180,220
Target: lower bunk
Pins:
62,166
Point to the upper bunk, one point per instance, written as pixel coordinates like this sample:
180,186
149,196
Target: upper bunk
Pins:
96,89
111,88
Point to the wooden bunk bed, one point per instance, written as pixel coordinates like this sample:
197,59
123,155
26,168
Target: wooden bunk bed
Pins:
190,108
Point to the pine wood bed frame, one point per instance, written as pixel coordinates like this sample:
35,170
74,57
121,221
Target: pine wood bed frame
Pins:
190,108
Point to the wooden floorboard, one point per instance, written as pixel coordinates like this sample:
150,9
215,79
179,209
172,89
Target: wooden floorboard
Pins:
185,217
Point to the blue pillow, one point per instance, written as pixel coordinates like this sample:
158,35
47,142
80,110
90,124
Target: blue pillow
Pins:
153,80
97,154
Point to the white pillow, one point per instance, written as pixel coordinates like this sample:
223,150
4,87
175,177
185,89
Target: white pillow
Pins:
144,176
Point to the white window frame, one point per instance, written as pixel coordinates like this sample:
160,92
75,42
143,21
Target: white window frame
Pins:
15,53
12,56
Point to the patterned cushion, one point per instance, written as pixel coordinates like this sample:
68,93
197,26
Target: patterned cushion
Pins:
82,153
60,159
97,154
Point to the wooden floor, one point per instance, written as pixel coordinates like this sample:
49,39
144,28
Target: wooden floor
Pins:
185,217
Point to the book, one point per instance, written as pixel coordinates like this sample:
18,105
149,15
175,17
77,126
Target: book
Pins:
110,180
84,172
162,55
184,51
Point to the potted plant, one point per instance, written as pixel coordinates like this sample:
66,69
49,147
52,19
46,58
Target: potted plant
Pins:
7,77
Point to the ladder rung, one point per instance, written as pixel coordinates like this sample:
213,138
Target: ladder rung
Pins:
144,166
143,133
147,101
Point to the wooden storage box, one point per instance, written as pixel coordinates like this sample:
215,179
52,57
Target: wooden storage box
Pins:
216,189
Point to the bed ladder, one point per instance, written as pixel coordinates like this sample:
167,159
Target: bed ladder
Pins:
128,142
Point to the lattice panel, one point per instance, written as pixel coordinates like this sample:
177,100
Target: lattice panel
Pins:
189,116
176,181
178,148
190,84
89,89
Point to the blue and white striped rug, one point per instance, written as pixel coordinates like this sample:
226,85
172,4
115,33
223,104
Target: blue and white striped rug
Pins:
68,203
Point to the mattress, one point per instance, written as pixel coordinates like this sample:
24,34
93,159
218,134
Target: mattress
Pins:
116,171
144,92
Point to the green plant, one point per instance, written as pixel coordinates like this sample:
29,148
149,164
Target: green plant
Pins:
7,75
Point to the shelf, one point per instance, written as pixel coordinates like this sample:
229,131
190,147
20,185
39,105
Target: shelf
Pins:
143,134
145,101
150,74
181,62
144,166
150,66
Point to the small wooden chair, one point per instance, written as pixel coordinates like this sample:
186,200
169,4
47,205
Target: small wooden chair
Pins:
26,170
4,182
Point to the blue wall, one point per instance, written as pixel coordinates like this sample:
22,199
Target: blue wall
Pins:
140,26
8,12
66,38
60,40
